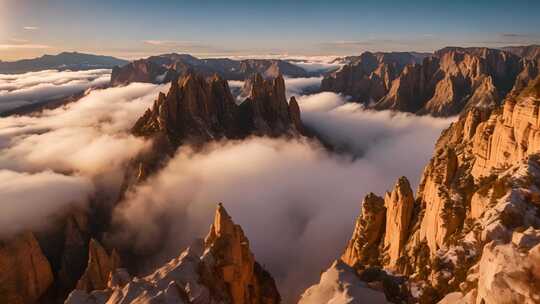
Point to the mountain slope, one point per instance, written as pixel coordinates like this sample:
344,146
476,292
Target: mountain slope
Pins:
64,61
471,234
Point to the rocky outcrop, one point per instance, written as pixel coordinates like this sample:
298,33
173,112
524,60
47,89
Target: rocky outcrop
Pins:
25,273
472,234
451,81
197,110
99,269
399,206
220,269
368,77
364,246
169,67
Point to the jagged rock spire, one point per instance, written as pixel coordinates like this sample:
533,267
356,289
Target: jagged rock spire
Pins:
222,269
197,110
99,269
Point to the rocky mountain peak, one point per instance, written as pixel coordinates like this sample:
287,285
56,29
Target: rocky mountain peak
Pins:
222,269
99,269
198,109
476,210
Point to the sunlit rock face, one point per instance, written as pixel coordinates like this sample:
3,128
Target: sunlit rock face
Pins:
471,232
220,269
450,81
197,110
25,273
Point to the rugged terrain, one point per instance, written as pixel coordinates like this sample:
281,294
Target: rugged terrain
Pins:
197,110
448,82
220,269
471,233
43,267
167,67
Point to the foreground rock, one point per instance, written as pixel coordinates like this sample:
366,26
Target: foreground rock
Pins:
25,273
450,81
472,233
340,285
220,269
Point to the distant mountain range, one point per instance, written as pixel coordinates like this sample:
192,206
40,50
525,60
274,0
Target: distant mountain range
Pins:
64,61
441,84
166,67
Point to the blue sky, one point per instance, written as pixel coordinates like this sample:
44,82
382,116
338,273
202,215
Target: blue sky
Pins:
138,28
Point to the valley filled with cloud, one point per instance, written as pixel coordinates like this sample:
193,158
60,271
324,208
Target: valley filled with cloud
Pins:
295,198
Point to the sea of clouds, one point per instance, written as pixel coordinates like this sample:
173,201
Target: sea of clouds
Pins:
295,200
17,90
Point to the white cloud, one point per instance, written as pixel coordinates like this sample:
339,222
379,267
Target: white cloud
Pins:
28,200
31,28
23,46
33,87
295,200
171,43
74,149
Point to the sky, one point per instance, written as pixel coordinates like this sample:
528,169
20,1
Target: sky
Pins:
134,29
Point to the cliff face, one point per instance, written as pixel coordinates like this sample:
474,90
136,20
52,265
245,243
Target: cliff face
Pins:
25,273
448,82
368,77
168,67
197,110
220,269
471,233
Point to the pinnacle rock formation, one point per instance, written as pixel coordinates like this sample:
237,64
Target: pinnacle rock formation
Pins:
450,81
471,234
25,273
220,269
197,110
99,269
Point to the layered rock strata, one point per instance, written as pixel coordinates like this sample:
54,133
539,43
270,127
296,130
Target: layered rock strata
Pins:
471,232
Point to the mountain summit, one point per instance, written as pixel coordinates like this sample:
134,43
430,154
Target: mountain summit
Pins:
220,269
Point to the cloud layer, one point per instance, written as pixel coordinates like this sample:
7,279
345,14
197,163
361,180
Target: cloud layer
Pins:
69,152
34,87
295,200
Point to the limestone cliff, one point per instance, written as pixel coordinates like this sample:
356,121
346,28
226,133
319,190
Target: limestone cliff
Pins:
450,81
220,269
471,234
